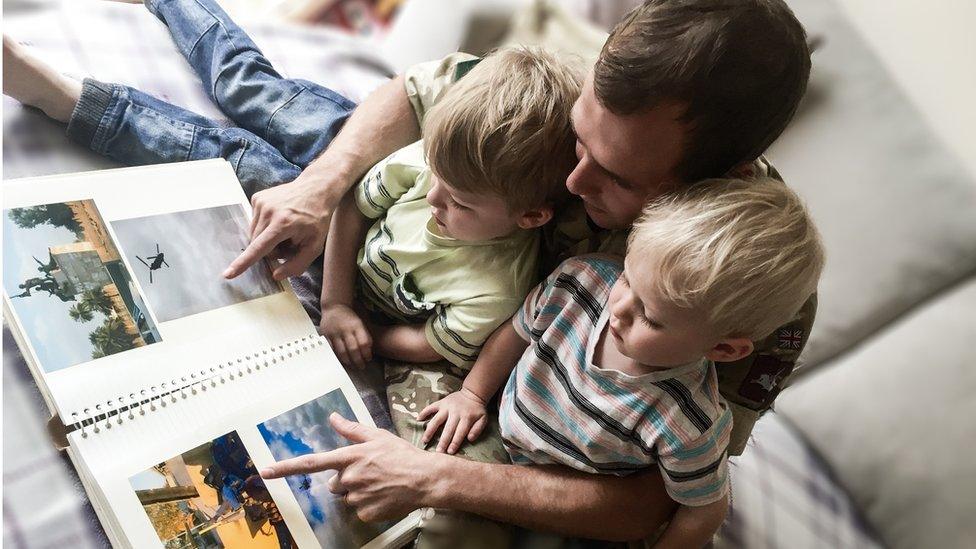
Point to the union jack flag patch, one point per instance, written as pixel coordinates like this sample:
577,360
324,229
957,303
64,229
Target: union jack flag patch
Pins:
790,338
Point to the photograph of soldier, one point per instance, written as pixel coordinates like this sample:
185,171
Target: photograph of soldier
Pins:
211,497
72,293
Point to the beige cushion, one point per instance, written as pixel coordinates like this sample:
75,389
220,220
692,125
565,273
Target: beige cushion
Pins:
896,420
895,208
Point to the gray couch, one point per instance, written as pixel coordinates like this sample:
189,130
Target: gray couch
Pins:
868,448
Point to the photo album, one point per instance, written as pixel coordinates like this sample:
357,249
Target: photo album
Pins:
175,386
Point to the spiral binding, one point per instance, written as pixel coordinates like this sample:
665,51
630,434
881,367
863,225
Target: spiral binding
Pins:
154,397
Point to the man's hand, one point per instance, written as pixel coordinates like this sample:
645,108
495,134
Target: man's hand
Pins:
290,222
347,334
382,476
462,414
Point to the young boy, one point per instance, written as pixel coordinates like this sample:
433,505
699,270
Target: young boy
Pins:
614,361
453,249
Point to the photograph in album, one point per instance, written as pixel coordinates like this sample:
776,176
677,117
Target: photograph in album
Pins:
69,287
304,430
179,258
211,497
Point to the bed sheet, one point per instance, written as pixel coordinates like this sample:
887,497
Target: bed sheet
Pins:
44,504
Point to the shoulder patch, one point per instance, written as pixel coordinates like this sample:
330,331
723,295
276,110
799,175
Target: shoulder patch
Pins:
464,67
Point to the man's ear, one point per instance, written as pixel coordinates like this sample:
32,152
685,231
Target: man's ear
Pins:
730,349
536,217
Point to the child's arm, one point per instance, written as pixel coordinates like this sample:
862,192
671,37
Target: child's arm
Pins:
693,526
463,413
345,331
406,342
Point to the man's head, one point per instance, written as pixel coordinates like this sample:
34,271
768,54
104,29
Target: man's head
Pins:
500,146
683,90
711,269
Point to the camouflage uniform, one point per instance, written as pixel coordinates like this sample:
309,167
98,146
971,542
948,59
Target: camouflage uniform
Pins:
409,389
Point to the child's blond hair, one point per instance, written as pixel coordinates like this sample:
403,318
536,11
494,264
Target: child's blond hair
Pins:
504,128
745,251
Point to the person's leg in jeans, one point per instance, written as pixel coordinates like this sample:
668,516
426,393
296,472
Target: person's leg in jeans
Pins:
135,128
297,117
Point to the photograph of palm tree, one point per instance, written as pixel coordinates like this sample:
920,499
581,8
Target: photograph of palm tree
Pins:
211,497
179,259
75,299
304,430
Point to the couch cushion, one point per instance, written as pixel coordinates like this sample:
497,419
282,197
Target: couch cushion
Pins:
783,495
895,421
895,208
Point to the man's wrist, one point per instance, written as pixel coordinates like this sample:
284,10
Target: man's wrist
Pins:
442,480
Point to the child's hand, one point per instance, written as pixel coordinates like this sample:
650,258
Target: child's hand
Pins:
347,334
462,414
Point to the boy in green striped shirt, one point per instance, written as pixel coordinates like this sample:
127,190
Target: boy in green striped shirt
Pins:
453,245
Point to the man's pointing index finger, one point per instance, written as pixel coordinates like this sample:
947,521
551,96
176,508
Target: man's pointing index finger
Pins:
337,459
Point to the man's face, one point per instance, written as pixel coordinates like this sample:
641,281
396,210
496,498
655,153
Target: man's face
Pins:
624,161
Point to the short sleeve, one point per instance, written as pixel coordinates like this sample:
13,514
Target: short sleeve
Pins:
426,83
388,180
525,321
696,473
458,330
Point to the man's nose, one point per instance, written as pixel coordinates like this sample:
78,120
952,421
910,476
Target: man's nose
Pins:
583,180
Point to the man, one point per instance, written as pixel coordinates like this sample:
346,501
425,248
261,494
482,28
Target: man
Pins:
683,90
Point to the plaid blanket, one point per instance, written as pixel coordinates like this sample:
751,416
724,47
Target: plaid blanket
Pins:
782,496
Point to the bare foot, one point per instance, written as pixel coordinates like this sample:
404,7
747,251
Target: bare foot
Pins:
33,82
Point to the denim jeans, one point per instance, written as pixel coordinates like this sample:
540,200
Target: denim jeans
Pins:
282,124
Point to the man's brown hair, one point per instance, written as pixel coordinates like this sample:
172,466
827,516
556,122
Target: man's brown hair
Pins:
740,66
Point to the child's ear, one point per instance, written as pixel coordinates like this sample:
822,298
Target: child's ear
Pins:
730,349
536,217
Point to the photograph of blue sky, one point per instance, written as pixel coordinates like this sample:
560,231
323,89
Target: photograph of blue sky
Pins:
305,430
59,340
198,245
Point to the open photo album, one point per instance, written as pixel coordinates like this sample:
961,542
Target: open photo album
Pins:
173,385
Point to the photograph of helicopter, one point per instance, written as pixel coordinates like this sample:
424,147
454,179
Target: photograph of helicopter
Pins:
154,263
192,248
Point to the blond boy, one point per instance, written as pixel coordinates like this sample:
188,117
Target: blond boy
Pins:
613,363
446,228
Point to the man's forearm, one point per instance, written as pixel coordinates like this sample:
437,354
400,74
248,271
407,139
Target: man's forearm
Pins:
381,124
554,498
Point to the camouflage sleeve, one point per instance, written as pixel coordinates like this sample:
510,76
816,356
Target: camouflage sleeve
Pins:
751,385
426,83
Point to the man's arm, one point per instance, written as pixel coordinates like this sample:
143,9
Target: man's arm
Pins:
293,219
385,477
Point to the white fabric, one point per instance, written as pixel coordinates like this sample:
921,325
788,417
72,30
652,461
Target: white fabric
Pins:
896,210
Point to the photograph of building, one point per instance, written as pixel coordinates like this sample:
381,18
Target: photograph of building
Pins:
79,302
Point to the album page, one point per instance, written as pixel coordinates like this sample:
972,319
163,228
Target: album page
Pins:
113,288
184,473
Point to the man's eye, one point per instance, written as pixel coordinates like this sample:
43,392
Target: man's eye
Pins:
621,184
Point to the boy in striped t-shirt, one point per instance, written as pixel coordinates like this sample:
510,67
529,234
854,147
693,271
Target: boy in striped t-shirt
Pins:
613,362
